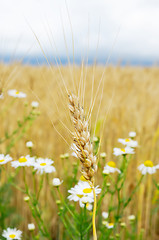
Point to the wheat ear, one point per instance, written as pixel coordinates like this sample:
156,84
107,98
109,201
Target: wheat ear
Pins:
82,146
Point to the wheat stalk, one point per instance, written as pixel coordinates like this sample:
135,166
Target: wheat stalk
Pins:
83,147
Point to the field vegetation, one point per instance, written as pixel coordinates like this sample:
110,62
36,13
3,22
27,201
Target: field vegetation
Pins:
125,100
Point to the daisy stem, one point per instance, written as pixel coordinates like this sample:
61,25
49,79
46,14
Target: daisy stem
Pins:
34,204
41,186
35,216
34,181
103,194
65,224
33,236
155,183
10,179
24,179
65,204
133,192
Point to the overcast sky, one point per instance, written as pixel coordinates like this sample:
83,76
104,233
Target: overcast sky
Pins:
126,28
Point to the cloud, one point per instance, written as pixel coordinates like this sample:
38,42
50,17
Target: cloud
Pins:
130,26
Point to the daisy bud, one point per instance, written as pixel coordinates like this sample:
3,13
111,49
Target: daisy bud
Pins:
58,202
62,156
103,155
26,198
95,139
131,218
108,184
104,222
25,104
132,134
105,215
34,104
29,144
106,172
31,226
56,182
66,155
123,224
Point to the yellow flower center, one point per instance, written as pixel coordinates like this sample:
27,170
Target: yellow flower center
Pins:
111,164
110,224
17,93
42,164
79,195
12,236
2,160
122,149
82,178
148,163
127,140
22,160
87,190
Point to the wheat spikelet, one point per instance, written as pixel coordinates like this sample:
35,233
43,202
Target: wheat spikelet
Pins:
82,145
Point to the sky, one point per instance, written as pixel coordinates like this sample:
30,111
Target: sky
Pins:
126,30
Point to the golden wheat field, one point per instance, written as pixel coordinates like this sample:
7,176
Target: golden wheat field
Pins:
127,100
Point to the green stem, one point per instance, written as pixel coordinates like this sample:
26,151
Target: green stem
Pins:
65,204
41,186
133,192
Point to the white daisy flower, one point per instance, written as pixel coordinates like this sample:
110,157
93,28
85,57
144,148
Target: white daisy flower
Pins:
123,151
85,201
89,206
24,161
81,190
16,94
56,182
44,165
132,134
128,142
147,167
1,96
157,166
12,233
4,159
34,104
108,225
105,215
111,167
29,144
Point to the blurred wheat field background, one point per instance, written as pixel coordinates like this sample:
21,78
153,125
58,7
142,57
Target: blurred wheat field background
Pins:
130,103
